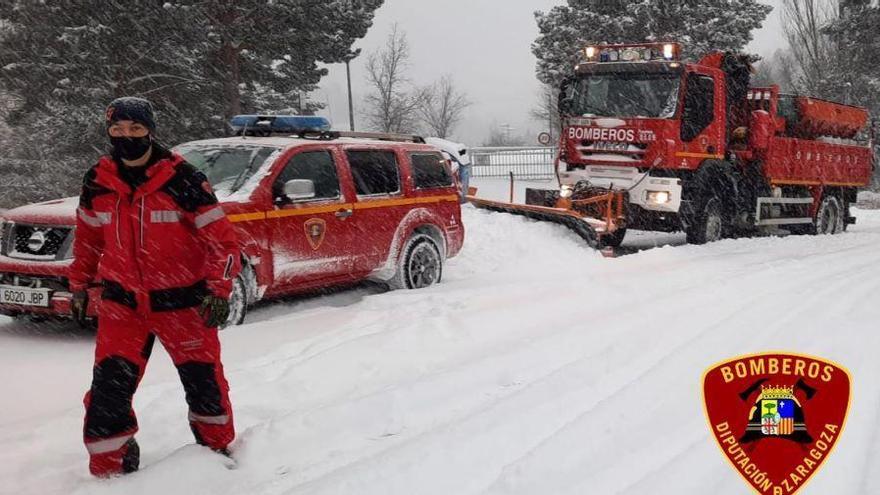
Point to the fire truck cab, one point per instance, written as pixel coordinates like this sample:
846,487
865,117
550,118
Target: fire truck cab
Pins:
311,208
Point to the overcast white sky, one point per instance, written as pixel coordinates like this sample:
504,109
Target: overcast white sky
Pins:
485,45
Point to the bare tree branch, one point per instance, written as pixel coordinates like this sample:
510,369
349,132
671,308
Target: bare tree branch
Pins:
546,110
442,107
812,52
392,105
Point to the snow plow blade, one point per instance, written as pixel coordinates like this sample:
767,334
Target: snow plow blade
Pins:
579,225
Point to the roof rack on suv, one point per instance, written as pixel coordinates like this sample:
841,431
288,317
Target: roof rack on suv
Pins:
381,136
330,135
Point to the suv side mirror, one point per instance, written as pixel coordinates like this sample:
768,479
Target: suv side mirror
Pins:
299,189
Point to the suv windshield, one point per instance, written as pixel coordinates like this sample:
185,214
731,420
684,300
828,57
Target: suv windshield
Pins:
624,95
227,167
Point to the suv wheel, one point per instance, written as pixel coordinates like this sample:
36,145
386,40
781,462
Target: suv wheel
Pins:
420,265
238,299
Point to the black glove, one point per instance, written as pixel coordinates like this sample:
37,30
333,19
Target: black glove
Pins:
78,306
214,310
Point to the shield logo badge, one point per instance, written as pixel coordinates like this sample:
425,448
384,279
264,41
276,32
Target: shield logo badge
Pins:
776,416
315,229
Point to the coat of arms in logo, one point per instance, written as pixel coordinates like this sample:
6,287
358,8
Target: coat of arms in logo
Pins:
315,229
776,416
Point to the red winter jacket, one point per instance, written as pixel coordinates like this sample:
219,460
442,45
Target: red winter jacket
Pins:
162,246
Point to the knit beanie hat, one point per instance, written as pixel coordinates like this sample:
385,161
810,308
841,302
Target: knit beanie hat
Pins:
131,108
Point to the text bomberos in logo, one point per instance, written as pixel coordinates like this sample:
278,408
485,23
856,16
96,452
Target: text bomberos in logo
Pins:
776,416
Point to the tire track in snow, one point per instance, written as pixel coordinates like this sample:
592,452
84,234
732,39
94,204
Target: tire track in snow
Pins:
588,356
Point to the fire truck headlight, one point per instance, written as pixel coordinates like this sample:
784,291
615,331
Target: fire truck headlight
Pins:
659,197
566,191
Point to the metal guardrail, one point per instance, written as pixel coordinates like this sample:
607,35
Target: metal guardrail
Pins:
524,162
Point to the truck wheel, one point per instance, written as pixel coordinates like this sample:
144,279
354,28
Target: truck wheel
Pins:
613,240
238,299
829,218
420,265
845,215
708,224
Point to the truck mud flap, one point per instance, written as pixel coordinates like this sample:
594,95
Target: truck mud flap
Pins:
544,214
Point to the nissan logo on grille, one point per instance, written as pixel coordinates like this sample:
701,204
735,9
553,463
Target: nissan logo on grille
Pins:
37,241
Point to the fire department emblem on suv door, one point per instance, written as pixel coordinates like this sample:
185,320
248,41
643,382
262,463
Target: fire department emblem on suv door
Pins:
315,229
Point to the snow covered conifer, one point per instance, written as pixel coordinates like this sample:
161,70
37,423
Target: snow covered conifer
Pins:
701,26
857,76
199,62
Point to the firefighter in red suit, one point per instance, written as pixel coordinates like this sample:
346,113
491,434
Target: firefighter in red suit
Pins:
152,235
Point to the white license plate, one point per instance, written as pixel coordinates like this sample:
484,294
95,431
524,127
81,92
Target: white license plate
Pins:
24,296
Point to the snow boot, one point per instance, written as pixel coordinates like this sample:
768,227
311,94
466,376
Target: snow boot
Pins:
124,460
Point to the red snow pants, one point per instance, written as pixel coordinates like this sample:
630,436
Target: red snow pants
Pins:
124,341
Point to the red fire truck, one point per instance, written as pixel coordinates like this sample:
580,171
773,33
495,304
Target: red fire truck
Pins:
312,210
652,143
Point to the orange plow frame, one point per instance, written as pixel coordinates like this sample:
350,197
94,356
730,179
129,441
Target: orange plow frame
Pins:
591,218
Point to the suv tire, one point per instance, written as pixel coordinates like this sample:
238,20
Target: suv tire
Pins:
420,264
239,299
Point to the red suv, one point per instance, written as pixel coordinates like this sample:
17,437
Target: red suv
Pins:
311,211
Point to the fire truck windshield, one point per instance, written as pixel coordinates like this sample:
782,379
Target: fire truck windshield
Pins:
649,95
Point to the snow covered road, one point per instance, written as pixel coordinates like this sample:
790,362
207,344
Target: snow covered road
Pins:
536,367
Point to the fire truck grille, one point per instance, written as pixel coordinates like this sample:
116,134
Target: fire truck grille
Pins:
37,242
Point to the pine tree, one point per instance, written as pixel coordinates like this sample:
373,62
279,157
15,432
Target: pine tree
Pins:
701,26
855,75
199,61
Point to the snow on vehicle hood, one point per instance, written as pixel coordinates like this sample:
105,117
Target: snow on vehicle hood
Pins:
56,212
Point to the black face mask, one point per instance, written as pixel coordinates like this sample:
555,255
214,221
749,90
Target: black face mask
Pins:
131,148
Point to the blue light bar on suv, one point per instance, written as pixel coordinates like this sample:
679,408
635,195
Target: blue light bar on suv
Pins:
265,125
